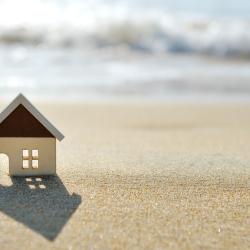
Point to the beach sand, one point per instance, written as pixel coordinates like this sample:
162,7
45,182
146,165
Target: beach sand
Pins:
136,176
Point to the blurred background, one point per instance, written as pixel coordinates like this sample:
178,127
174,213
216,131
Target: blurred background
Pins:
74,50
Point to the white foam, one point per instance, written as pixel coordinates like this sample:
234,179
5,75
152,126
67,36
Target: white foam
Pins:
107,23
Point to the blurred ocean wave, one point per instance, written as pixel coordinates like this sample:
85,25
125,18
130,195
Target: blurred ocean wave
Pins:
162,49
75,74
145,26
198,37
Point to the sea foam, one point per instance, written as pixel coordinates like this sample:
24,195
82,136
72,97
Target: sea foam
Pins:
108,24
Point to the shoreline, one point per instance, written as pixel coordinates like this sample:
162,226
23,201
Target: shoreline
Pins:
172,99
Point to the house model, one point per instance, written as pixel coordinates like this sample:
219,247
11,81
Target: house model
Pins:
28,139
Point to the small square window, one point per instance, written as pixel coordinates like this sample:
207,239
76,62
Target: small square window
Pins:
31,186
35,154
42,186
34,163
25,154
25,163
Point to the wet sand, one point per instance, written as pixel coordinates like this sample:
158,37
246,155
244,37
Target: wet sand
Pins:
134,176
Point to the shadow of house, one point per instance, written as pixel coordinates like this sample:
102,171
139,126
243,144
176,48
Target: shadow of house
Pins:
42,204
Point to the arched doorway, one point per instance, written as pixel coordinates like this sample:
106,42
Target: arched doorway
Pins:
4,164
4,170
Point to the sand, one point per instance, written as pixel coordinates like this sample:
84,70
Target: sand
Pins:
136,176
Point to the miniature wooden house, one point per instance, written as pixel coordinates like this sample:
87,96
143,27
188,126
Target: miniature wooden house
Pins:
28,139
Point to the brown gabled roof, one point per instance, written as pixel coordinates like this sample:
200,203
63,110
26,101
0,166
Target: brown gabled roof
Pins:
22,119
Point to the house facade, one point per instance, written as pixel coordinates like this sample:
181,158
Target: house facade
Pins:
28,139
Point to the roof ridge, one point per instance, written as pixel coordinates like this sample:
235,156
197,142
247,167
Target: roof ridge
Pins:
21,99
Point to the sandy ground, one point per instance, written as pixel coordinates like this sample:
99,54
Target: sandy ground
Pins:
151,176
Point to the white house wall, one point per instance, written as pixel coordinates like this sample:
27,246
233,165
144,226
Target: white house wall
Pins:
13,147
